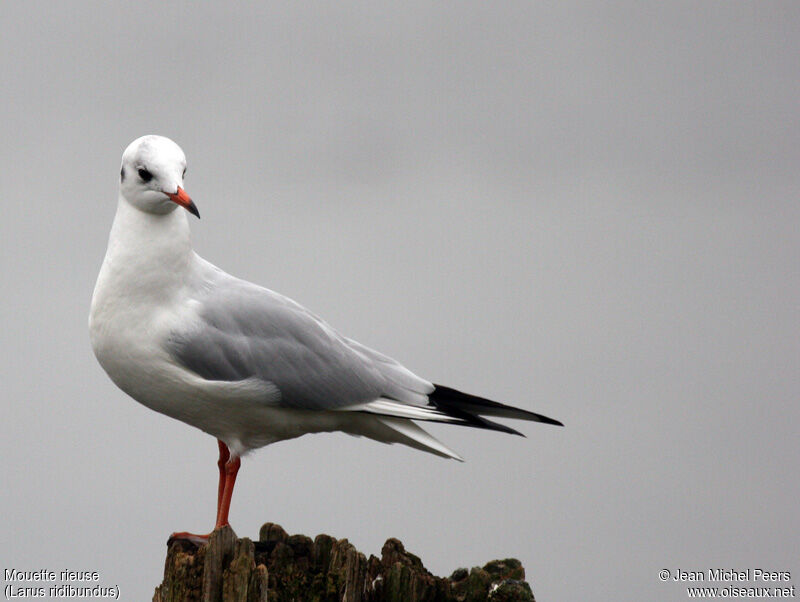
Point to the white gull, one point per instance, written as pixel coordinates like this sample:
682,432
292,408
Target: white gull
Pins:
238,361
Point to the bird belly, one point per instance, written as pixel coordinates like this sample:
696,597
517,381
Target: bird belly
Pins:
244,414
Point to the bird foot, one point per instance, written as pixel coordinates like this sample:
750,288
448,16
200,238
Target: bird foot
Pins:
199,540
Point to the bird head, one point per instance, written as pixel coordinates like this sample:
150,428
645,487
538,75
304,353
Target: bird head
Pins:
151,178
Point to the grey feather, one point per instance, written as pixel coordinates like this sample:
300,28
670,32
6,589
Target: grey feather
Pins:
242,331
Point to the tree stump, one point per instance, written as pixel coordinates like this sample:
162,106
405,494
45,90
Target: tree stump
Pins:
283,568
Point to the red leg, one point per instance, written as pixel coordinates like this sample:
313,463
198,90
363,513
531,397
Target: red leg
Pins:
231,470
224,456
226,468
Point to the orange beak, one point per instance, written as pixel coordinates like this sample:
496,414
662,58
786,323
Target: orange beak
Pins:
184,200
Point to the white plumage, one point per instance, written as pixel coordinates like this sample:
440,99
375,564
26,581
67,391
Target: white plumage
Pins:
243,363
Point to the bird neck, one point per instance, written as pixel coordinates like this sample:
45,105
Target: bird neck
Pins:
146,251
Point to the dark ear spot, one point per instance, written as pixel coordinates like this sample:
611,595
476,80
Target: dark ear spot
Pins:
122,175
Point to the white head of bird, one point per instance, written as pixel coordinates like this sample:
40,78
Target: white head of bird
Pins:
151,177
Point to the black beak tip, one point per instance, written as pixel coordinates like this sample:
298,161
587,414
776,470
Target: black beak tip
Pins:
192,208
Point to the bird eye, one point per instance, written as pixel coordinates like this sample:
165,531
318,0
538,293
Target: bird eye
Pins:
184,173
145,175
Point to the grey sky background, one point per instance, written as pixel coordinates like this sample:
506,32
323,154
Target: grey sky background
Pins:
587,210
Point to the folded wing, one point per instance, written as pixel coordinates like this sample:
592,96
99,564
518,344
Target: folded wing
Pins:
242,331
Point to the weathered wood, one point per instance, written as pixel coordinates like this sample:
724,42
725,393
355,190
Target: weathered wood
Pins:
280,568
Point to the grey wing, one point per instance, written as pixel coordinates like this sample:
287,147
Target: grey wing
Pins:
243,331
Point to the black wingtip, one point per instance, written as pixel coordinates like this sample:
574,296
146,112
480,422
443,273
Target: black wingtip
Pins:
546,420
455,402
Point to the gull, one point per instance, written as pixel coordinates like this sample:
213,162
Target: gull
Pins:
236,360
